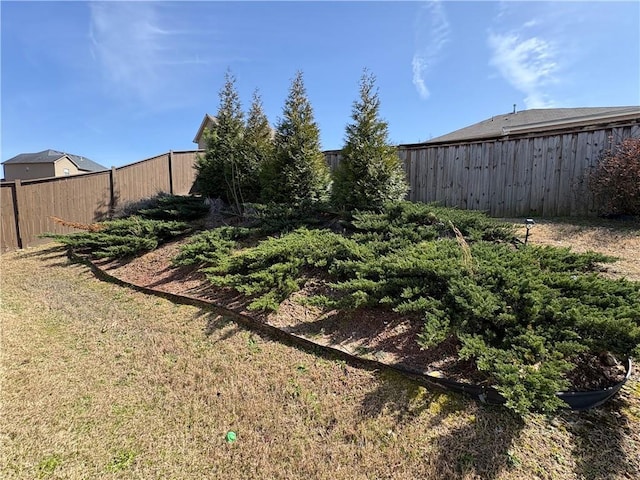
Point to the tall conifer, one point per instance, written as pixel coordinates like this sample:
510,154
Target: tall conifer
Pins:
298,172
258,147
369,173
221,170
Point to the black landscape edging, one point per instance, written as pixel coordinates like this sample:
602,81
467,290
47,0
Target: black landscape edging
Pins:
575,400
594,398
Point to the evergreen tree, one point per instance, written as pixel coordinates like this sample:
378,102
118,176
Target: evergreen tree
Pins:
258,148
298,172
222,168
370,172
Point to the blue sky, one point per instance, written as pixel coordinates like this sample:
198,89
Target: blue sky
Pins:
119,82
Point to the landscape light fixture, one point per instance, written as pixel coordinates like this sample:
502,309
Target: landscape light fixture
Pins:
528,223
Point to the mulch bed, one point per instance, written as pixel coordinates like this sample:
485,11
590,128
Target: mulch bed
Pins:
376,334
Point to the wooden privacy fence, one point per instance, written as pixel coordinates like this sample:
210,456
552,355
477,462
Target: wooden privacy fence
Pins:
529,175
533,175
26,207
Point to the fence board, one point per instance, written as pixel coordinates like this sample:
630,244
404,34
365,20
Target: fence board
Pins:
552,174
8,230
540,161
461,174
577,181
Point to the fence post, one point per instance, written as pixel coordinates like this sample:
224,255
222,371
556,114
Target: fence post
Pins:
171,172
113,199
17,194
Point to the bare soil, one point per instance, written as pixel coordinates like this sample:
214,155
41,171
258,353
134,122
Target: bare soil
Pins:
384,335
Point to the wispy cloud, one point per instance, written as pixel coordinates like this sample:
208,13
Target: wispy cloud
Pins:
529,64
432,33
531,48
134,46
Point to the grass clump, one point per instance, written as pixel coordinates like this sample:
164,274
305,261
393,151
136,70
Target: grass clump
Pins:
48,465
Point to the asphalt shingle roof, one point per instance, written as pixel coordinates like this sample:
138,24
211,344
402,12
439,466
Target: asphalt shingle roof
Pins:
499,125
51,156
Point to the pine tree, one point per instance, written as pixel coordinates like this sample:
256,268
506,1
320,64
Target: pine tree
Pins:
258,148
298,172
221,170
370,173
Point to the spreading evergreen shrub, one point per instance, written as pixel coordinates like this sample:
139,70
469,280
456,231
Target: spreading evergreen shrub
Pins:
211,247
273,269
281,218
123,237
174,207
164,207
522,315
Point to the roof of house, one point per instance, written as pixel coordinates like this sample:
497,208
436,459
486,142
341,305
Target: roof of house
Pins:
207,122
52,156
536,120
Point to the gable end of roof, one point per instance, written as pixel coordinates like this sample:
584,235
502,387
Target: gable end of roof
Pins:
207,121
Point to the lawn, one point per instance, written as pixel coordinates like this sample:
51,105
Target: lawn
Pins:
99,381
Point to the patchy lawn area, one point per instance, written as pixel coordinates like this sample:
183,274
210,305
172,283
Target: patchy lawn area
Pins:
102,382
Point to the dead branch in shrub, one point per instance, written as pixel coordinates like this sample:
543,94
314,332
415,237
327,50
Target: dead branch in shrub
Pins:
90,227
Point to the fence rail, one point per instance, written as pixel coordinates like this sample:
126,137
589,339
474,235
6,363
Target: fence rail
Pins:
529,175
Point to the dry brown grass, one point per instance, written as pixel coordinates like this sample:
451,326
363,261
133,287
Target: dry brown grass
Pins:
611,237
102,382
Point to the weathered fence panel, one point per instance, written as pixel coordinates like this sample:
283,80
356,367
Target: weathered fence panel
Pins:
143,179
333,158
78,198
183,173
530,175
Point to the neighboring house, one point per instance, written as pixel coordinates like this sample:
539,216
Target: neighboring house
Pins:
48,163
208,122
539,120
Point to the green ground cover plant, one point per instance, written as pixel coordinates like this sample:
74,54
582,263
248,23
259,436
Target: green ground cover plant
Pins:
182,208
164,207
123,237
137,227
522,314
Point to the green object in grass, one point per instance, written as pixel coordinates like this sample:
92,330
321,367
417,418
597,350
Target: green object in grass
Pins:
230,437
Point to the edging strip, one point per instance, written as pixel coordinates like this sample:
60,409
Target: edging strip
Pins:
489,395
